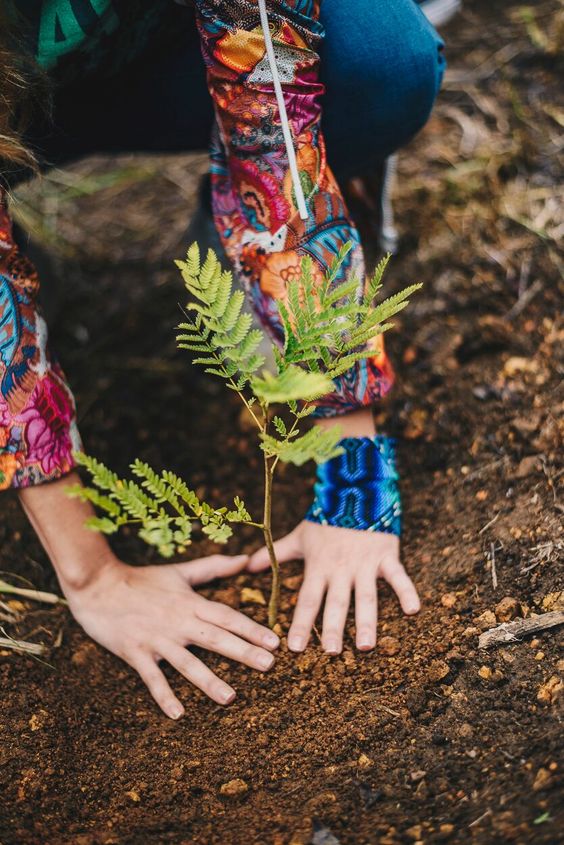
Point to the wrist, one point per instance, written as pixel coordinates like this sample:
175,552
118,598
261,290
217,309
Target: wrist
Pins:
79,555
359,488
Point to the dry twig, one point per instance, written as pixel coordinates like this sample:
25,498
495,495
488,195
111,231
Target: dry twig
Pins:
511,632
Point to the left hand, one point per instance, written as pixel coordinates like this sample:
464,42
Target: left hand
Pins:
338,561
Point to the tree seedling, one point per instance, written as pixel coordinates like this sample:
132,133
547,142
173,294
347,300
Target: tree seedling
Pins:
328,328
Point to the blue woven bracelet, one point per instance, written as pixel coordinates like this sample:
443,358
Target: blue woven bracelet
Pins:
359,489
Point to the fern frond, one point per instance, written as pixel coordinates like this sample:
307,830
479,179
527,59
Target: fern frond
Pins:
317,444
292,383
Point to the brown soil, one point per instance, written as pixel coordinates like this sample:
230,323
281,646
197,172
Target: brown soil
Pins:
428,739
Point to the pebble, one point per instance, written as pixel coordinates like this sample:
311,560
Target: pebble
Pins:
250,596
550,692
438,670
542,780
486,620
364,761
389,646
417,776
414,832
134,796
234,787
507,609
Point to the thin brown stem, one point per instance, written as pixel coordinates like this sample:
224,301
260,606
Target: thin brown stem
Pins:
269,542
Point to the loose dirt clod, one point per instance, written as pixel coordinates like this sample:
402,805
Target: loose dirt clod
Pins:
388,645
507,609
234,787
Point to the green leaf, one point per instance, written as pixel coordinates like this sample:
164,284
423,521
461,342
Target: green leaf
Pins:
102,524
218,533
318,444
292,384
280,426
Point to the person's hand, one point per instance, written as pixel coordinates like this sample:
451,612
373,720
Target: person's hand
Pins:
338,561
148,614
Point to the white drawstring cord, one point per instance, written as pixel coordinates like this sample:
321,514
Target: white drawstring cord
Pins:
286,131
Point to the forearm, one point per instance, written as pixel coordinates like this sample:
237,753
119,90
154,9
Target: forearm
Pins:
77,554
254,203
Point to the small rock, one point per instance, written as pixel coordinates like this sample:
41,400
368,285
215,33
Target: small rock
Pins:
448,600
446,829
507,609
485,672
550,692
85,653
39,720
466,730
364,762
234,787
486,620
518,364
470,631
414,832
250,596
417,776
134,796
542,780
438,670
388,645
540,655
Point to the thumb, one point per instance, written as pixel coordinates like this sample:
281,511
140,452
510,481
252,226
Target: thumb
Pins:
287,548
215,566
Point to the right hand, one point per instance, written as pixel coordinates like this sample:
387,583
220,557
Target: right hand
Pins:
148,614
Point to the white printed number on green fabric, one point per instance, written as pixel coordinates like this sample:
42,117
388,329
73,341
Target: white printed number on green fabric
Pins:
62,30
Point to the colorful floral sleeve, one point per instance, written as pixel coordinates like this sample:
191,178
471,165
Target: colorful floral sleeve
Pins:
253,201
37,416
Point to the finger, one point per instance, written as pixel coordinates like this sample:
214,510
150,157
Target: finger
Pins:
221,641
198,673
287,548
393,572
158,686
239,624
335,615
307,608
366,610
216,566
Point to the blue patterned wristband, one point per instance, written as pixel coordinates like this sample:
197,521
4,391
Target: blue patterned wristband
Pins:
359,488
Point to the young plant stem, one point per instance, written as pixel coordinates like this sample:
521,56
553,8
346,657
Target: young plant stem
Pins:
267,531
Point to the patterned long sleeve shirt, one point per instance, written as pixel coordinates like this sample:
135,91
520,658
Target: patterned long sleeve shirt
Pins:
254,208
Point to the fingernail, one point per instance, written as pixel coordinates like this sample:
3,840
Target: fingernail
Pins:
333,647
176,712
296,644
365,645
271,640
265,661
227,696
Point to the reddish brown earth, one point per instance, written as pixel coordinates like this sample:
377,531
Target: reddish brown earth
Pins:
428,739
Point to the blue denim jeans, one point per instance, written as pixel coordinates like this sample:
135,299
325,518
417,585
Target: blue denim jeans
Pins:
382,64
